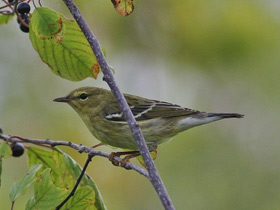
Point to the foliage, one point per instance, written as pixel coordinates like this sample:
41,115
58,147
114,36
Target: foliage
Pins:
53,174
57,177
123,7
5,152
62,45
22,186
212,55
4,19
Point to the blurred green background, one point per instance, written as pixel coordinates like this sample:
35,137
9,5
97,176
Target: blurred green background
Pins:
218,56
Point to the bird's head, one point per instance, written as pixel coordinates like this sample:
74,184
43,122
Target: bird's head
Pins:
84,99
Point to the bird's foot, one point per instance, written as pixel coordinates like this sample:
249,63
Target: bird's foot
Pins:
128,157
112,158
130,154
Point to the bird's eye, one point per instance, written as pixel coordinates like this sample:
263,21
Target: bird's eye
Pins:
83,96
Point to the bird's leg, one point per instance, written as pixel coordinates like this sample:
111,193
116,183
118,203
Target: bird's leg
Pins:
128,157
118,154
97,145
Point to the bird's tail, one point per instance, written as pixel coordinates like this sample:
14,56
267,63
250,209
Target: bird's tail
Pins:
204,117
225,115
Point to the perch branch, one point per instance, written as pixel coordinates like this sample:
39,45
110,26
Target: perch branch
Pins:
80,148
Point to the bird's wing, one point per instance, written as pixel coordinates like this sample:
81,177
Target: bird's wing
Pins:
145,109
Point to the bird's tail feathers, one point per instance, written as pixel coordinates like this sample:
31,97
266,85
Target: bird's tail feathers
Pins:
225,115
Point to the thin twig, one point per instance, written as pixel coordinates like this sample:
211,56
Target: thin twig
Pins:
12,206
80,148
90,156
137,134
22,22
8,4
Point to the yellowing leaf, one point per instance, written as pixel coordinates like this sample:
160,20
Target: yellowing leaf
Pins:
123,7
48,24
61,45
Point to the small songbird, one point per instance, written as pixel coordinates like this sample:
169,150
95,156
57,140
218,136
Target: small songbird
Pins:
158,120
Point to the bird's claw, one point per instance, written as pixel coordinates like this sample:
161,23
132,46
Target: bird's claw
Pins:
112,159
122,162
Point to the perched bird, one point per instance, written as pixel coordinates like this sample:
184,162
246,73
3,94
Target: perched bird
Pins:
158,120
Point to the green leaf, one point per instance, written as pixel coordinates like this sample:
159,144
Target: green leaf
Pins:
47,195
5,152
61,45
47,24
123,7
51,159
4,19
75,170
84,198
65,171
21,187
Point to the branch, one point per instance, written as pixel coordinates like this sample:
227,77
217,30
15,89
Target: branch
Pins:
90,156
137,134
80,148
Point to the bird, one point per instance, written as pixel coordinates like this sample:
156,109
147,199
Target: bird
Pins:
159,121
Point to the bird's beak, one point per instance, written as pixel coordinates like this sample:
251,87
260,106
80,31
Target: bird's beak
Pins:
62,99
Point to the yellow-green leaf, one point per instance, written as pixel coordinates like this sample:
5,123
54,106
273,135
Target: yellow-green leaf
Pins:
5,18
47,196
64,173
153,155
51,159
47,24
84,198
62,46
123,7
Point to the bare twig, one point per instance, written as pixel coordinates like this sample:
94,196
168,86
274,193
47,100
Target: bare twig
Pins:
90,156
12,206
80,148
137,134
8,4
22,22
